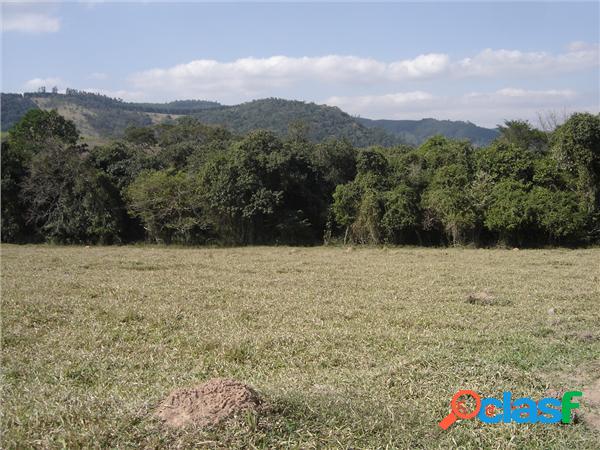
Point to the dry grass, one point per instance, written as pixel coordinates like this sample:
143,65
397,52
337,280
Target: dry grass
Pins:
361,348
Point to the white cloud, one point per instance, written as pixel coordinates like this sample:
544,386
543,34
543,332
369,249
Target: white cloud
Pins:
49,83
379,102
248,78
579,56
420,67
514,95
483,108
29,22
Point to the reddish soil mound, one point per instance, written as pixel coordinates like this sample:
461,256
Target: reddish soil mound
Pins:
208,404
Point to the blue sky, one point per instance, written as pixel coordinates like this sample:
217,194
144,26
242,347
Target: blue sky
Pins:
483,62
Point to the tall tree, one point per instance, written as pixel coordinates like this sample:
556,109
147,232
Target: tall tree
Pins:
70,201
576,146
522,134
35,133
37,126
509,212
448,201
169,205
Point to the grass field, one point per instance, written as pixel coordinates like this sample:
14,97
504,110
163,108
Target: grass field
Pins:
360,348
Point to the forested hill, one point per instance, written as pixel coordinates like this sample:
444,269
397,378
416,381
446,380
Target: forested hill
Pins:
416,132
97,116
318,122
100,117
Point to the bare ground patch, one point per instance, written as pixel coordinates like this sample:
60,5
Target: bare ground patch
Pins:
588,378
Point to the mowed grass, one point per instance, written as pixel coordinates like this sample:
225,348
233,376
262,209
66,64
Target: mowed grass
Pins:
360,348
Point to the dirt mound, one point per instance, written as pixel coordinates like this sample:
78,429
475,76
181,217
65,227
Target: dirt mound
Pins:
208,404
481,298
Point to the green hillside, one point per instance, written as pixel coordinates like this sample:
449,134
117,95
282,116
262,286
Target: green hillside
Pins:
99,117
95,116
13,107
417,131
319,122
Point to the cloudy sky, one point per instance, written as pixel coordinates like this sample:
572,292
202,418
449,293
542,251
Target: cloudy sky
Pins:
478,61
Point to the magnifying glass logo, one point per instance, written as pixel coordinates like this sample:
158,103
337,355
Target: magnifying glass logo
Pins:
457,408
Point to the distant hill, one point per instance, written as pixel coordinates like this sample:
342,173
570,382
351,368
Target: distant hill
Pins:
95,116
416,131
13,107
99,117
277,115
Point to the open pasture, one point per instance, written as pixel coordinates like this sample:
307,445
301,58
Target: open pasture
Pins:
357,348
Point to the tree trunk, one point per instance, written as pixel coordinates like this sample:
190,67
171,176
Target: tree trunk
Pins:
419,237
455,236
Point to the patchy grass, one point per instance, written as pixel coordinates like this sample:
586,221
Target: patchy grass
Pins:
356,349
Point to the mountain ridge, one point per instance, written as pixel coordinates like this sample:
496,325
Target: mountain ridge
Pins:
100,117
414,132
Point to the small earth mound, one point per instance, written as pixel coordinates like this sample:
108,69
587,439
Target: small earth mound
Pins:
208,404
481,298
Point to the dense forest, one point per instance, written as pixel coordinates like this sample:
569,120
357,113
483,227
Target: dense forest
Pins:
192,183
101,116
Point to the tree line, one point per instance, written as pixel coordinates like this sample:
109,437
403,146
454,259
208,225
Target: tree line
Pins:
190,183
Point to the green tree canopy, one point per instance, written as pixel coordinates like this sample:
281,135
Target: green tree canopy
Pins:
37,126
448,201
70,201
509,210
169,205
